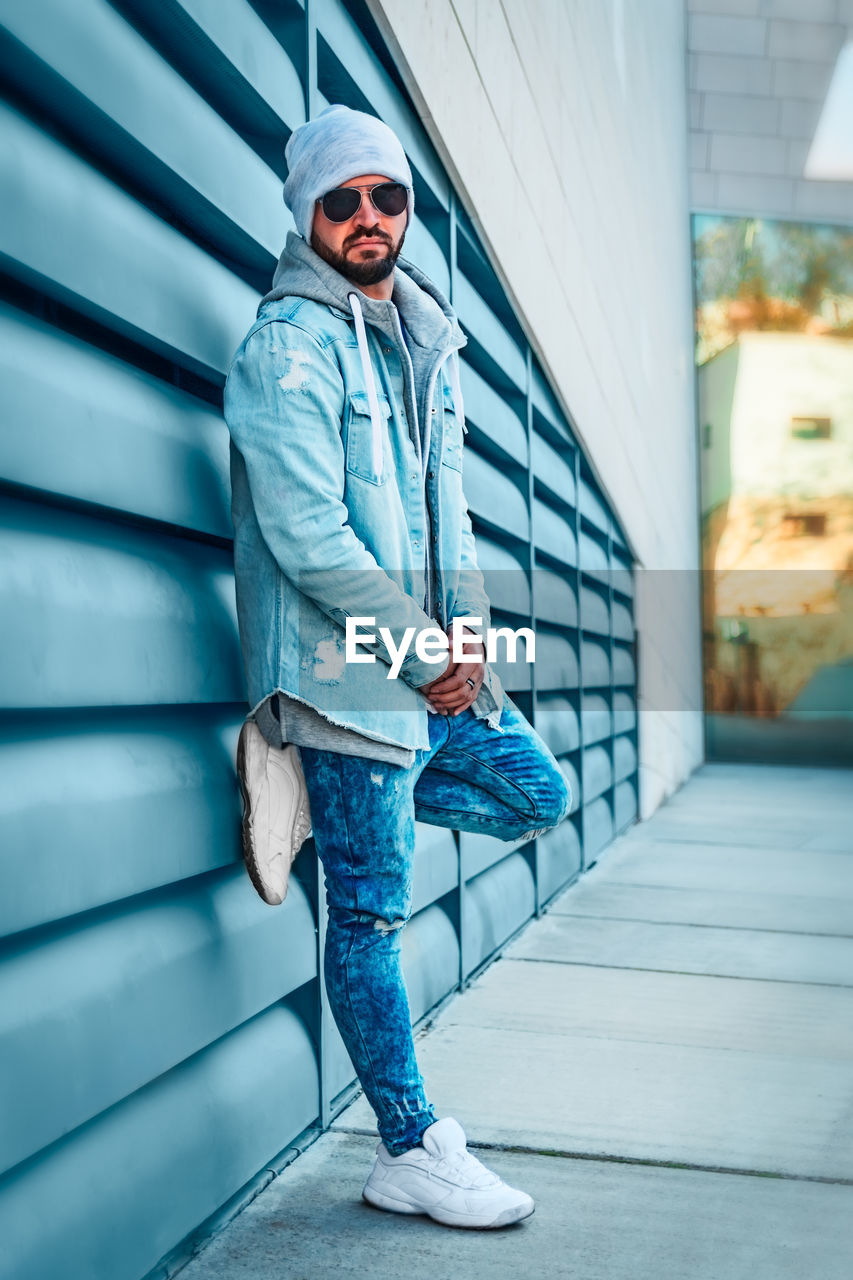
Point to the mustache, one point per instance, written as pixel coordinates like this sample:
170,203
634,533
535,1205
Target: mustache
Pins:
367,235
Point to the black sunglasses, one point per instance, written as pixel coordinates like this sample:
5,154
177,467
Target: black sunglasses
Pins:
343,203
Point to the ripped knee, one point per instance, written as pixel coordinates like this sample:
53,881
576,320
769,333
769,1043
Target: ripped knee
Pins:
537,831
369,919
387,926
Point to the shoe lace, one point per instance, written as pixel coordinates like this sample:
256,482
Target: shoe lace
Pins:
476,1174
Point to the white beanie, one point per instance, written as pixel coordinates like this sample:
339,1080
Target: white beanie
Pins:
338,145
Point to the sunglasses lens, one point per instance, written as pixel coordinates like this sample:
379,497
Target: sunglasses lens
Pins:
390,198
340,204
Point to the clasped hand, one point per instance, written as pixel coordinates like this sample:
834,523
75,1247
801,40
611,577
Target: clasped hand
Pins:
451,693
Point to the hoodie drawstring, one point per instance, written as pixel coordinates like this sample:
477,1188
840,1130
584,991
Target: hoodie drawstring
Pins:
456,389
369,382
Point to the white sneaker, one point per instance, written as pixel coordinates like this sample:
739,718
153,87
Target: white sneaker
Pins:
276,815
444,1180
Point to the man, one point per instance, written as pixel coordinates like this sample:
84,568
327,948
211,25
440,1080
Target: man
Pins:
346,420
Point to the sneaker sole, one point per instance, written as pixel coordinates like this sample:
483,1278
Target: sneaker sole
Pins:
380,1201
250,859
516,1213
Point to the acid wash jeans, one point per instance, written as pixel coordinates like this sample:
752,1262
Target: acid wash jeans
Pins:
502,781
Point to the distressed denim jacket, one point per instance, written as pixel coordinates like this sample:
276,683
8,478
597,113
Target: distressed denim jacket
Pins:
346,456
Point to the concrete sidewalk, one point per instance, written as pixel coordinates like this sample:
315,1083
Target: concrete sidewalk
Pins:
664,1061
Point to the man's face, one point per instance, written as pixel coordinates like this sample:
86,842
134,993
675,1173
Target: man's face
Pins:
365,248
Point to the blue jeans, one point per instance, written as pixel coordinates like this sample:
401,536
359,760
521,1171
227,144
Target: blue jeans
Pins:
502,781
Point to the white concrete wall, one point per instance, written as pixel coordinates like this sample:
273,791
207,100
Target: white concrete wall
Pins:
758,74
564,126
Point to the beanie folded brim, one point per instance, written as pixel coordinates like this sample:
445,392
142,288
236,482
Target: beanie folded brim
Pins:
339,145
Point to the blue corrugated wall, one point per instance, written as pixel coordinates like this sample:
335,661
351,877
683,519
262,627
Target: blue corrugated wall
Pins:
144,984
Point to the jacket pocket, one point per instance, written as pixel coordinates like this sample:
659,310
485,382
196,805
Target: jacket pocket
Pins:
451,453
365,458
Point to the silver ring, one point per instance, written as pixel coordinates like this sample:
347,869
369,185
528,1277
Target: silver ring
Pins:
471,682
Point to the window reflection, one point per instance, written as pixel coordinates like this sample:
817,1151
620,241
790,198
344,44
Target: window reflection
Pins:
774,353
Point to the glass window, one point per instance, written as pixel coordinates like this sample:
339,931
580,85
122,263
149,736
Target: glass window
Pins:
774,355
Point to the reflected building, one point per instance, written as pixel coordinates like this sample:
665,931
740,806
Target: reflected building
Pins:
776,424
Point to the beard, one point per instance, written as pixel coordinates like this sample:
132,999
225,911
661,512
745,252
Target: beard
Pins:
371,270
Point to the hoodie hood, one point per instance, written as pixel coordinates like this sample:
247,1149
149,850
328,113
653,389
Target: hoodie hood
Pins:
430,321
428,316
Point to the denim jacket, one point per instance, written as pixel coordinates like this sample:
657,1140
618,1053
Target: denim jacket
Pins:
346,456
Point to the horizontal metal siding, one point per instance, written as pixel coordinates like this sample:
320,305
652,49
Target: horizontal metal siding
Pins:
145,980
95,1012
67,403
129,270
122,1188
107,614
121,88
135,801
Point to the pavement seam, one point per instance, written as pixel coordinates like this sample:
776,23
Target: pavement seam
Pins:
685,973
655,839
695,924
609,1158
608,882
611,1036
